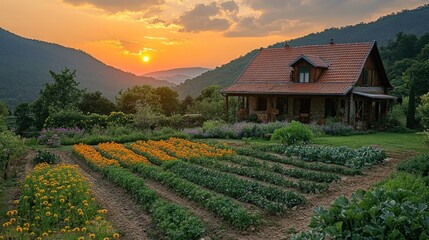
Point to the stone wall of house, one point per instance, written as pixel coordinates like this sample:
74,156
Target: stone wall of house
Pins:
317,111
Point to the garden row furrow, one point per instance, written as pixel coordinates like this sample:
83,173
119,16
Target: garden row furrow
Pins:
222,206
172,220
271,199
297,163
261,174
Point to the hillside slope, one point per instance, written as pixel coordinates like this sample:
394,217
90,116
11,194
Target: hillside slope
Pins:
382,30
25,65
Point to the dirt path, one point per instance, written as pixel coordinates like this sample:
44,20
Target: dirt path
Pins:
125,213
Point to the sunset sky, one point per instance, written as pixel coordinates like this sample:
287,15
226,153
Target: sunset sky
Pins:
179,33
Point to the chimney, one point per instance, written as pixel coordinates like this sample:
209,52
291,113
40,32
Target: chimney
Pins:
332,41
286,45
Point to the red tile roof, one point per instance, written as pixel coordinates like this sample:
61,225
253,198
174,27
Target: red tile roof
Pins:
269,72
316,61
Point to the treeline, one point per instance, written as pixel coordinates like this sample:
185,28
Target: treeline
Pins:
62,103
406,60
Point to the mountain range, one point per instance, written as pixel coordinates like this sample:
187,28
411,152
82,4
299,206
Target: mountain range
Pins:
383,30
177,75
25,65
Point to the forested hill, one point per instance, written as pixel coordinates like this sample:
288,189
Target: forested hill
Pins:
25,65
382,30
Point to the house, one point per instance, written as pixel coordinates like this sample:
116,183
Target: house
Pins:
312,83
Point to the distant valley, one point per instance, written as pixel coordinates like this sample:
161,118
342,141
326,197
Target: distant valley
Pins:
177,75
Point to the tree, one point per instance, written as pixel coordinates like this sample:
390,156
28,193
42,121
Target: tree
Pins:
24,118
95,102
11,146
418,73
4,110
210,93
423,110
186,103
411,121
168,99
210,103
63,93
146,117
143,95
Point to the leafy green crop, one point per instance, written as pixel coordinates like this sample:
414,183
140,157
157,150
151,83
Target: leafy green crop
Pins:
269,198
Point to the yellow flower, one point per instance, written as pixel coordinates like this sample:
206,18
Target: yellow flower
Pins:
44,234
91,235
48,214
16,202
81,238
116,235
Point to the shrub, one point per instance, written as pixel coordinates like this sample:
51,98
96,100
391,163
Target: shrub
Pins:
11,148
417,165
294,133
45,157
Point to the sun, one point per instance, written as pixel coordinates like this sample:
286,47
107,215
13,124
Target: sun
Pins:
145,59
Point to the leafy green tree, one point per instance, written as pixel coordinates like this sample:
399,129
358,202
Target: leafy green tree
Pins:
210,93
143,95
11,147
24,117
146,117
186,103
95,102
411,120
169,100
63,93
4,110
418,73
423,110
210,104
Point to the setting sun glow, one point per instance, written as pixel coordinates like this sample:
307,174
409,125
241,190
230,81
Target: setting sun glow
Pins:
145,59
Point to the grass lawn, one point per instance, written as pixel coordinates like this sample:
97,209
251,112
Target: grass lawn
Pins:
397,143
393,143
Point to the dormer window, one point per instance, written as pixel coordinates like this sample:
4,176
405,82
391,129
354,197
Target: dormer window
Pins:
304,74
307,68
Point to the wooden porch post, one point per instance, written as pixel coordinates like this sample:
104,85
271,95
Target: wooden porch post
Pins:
352,110
226,106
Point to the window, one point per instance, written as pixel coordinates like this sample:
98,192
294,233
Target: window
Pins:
365,77
304,75
262,104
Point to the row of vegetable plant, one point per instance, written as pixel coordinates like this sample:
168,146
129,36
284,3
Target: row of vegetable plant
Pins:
346,156
184,149
271,199
262,174
172,220
259,152
56,203
222,206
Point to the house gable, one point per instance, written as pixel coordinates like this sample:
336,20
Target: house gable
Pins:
334,69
